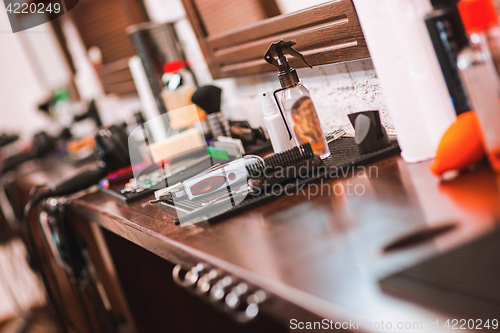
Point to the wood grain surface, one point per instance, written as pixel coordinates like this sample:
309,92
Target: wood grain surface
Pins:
320,255
326,33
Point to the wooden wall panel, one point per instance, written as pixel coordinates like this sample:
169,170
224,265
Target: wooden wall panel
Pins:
325,33
103,24
224,15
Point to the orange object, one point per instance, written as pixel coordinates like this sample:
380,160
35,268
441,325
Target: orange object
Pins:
460,146
74,146
478,15
202,115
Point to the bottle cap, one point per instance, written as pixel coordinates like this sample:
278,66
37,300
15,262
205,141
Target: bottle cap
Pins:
268,104
175,66
478,15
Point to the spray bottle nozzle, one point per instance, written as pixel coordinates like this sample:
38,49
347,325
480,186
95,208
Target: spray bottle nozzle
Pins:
275,55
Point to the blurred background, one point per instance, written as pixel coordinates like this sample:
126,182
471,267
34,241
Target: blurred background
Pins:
105,52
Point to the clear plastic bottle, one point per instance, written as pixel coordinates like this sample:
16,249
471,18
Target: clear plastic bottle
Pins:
294,101
301,114
479,72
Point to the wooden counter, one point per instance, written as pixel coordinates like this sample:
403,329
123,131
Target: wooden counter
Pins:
317,256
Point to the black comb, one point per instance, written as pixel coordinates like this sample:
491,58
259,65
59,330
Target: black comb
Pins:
283,166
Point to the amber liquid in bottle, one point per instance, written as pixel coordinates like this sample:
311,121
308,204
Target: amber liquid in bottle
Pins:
303,120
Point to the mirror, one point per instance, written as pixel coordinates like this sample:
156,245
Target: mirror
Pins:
234,35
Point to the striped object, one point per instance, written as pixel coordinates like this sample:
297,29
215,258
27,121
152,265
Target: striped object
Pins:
292,163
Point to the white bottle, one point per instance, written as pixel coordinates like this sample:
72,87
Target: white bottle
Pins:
409,73
274,123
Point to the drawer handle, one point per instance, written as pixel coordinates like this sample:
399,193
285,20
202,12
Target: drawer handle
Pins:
213,286
219,290
233,298
206,282
191,276
252,309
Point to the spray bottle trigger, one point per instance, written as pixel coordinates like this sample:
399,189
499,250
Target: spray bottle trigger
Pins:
278,50
294,53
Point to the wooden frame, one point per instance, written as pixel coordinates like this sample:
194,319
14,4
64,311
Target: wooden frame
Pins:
325,34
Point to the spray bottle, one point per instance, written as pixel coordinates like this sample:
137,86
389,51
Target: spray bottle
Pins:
294,101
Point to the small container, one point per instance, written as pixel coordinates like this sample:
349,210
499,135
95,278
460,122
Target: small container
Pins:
274,123
480,73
